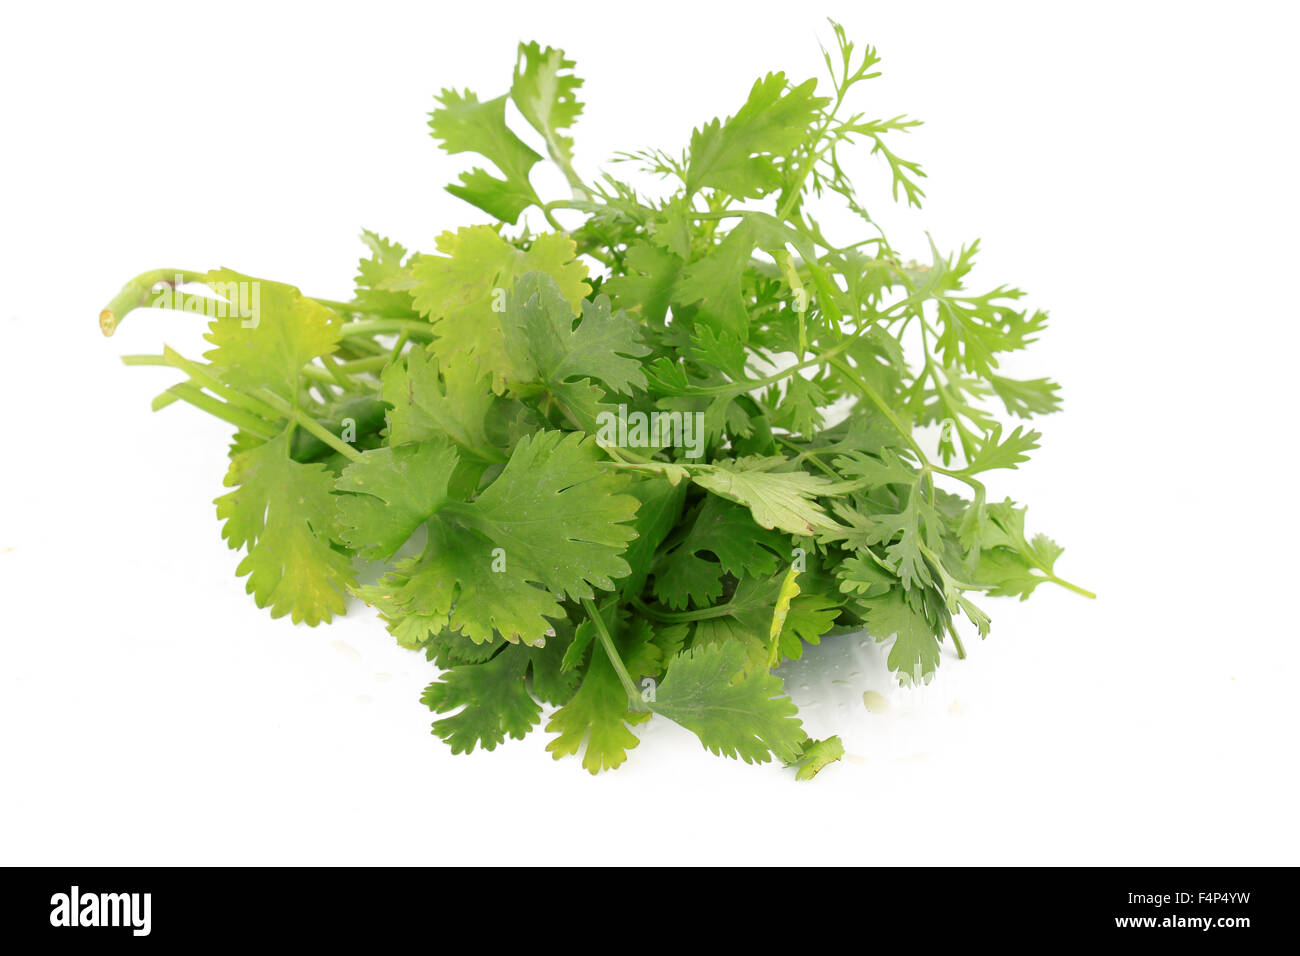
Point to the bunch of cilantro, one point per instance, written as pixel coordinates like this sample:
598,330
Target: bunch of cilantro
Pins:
628,465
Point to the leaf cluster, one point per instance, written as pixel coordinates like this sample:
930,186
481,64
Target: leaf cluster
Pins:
459,428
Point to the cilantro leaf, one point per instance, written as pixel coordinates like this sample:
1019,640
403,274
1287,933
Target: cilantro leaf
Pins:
463,291
383,278
545,91
557,511
734,716
915,651
596,720
283,513
461,584
785,500
493,698
722,540
281,332
393,491
427,403
463,124
739,156
545,347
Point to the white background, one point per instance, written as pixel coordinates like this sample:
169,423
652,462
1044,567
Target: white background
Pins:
1131,165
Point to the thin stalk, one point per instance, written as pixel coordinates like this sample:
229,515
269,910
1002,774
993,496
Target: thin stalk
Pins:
310,425
201,374
415,328
136,294
338,373
961,651
227,413
682,617
401,344
852,374
624,678
1072,587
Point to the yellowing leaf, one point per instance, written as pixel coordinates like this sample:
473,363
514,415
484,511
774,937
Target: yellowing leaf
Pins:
463,291
283,513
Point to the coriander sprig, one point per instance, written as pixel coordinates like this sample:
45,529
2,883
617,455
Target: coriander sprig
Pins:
628,465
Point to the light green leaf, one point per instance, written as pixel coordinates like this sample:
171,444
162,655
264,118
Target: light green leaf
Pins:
283,513
747,717
393,491
558,512
785,500
267,348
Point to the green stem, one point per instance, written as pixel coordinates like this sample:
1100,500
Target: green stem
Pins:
202,375
338,306
961,651
1072,587
682,617
337,373
415,328
852,374
800,297
310,425
401,344
223,410
136,294
633,695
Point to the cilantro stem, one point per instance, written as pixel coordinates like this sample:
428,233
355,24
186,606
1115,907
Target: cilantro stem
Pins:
136,294
633,696
338,306
203,376
852,374
415,328
223,410
368,364
1072,587
801,301
961,651
310,425
402,339
337,374
682,617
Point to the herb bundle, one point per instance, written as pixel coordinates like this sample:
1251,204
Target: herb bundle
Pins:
629,464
